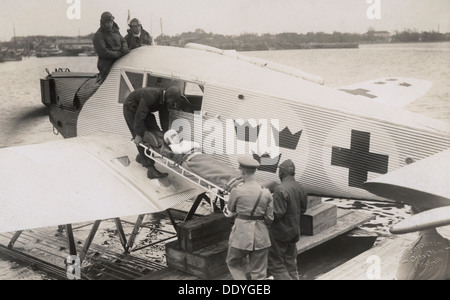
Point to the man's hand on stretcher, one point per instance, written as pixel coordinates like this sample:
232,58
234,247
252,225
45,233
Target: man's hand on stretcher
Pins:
138,140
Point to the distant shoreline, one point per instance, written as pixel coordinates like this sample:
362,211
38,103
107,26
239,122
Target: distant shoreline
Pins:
245,41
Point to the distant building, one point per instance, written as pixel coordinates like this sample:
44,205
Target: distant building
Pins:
378,36
382,35
73,47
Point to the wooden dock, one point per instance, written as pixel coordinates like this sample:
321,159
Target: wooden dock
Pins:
47,248
311,263
347,220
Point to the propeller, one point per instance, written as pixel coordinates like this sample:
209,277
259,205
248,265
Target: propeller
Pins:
432,218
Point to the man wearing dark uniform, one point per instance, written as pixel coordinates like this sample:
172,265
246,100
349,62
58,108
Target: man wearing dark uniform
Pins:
138,110
137,36
109,44
289,202
249,237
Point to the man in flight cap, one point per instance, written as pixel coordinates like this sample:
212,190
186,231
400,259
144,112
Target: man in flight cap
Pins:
289,202
137,36
249,237
138,109
109,44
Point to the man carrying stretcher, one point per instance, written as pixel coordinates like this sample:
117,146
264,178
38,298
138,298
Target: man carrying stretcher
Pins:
138,110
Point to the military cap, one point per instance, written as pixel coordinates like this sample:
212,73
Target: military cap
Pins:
289,166
248,163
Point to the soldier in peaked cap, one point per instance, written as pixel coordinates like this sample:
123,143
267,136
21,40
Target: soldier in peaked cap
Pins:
289,202
247,162
249,237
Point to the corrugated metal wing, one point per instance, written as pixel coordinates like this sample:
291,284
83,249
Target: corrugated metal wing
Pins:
80,179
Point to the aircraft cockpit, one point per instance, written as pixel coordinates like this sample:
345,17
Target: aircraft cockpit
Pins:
192,93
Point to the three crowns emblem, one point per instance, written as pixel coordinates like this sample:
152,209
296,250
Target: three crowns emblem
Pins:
267,163
246,132
284,139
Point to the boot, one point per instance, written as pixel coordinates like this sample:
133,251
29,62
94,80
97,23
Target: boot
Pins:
153,173
146,163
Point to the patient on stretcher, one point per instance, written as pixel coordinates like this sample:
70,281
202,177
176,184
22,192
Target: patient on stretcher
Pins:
180,146
189,155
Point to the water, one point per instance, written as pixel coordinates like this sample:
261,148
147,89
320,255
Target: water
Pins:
24,119
341,67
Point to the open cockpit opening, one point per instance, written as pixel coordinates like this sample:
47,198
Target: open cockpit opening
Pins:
192,93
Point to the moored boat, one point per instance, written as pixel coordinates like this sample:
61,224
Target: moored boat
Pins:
11,55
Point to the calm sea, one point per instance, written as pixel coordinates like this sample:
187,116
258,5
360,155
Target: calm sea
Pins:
24,119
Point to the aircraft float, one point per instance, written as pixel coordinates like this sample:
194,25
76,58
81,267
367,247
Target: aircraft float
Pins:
353,142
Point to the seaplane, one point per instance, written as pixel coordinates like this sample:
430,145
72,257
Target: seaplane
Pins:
351,142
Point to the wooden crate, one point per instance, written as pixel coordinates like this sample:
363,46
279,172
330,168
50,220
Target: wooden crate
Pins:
318,218
313,201
175,257
206,263
204,231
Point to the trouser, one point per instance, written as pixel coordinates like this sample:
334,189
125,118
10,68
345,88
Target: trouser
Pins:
104,67
239,266
282,264
150,124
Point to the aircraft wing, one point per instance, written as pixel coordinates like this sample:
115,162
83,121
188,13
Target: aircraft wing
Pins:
78,180
395,91
423,184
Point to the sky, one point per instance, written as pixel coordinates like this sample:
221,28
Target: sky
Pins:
228,17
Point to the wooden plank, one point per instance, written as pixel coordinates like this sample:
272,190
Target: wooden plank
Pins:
331,254
358,268
345,222
168,274
56,271
105,261
389,252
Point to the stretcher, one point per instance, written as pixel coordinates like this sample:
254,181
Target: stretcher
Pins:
213,176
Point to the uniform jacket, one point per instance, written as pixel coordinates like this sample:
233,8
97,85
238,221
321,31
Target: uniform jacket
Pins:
137,41
289,202
146,101
250,234
110,46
